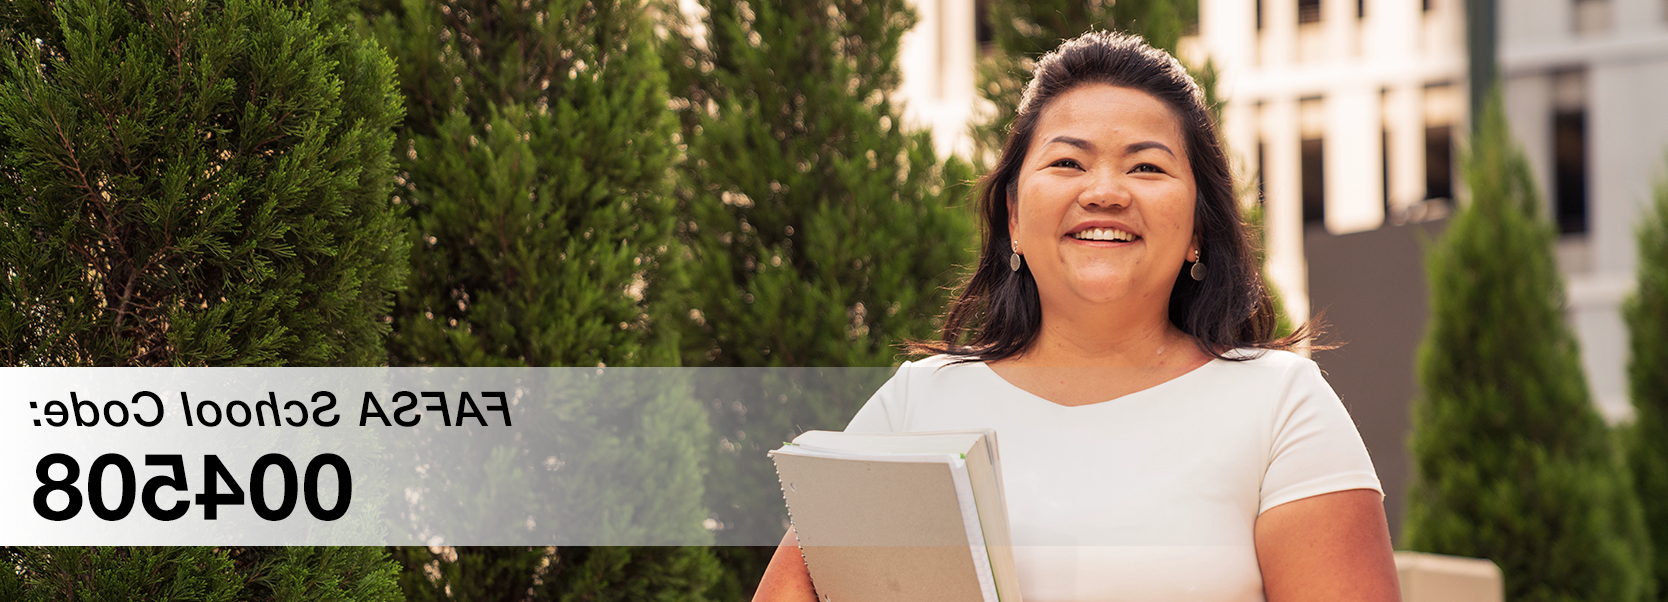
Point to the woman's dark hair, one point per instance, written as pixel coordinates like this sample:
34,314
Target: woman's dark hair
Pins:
998,310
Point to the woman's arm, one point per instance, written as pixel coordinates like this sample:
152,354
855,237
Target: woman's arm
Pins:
1334,546
786,579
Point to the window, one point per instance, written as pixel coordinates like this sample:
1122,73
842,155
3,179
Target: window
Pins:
1439,162
1443,104
1312,123
1569,152
1308,11
1314,180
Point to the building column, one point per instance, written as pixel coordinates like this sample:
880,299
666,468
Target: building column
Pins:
1283,204
1354,161
1404,116
1278,43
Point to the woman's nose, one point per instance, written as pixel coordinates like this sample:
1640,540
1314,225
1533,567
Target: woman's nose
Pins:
1105,190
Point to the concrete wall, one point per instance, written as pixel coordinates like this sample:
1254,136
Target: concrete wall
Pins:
1371,286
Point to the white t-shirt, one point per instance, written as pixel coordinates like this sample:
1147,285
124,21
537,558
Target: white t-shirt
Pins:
1152,496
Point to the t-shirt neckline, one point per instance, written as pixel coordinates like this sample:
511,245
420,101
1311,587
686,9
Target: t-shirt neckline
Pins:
1174,382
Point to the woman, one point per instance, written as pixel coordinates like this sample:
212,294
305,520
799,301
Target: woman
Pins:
1158,441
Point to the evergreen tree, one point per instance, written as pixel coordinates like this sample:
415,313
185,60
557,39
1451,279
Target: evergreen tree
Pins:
821,232
193,184
536,160
69,573
1647,318
535,157
601,574
1024,30
198,574
1512,461
316,574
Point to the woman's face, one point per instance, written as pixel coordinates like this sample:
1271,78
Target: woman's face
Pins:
1104,212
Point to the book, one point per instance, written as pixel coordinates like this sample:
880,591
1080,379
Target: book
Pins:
900,516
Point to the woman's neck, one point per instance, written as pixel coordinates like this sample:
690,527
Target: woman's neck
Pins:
1122,358
1110,339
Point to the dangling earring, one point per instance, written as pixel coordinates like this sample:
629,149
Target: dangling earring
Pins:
1198,271
1014,260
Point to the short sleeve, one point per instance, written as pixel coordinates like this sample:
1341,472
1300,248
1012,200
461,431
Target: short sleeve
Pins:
884,412
1316,448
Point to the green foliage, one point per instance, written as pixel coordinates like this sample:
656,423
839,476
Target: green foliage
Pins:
535,157
820,231
322,574
597,574
1646,313
191,184
203,574
1023,30
1512,461
183,574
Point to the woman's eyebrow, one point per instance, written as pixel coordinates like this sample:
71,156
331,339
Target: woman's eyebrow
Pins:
1141,146
1077,142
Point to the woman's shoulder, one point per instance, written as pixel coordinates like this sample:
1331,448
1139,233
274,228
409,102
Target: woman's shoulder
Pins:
940,361
925,385
1272,369
1268,358
940,373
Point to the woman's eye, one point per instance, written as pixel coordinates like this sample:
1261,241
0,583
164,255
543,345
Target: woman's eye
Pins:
1071,163
1148,168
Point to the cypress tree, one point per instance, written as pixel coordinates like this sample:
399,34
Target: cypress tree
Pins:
322,574
535,157
601,574
198,574
193,184
823,231
186,574
820,230
1512,461
1646,313
536,161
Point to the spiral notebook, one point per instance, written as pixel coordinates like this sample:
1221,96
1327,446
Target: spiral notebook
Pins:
900,516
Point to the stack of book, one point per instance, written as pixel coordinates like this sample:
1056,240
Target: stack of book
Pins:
900,516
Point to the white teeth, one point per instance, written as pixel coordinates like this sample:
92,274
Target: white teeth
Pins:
1104,234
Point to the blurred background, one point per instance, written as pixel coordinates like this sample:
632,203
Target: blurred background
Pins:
731,183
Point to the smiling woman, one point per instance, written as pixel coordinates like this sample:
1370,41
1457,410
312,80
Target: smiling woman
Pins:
1108,211
1159,441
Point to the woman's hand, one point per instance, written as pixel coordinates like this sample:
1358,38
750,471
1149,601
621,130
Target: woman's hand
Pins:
786,579
1334,546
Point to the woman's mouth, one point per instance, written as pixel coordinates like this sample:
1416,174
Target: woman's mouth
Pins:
1107,234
